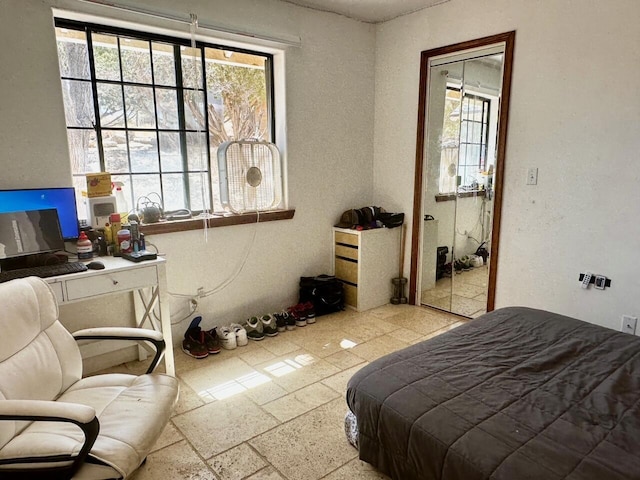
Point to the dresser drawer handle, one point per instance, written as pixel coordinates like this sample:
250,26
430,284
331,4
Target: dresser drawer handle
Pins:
115,282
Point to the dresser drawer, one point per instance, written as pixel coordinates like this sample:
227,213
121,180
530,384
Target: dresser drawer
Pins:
346,270
346,252
350,295
111,282
346,238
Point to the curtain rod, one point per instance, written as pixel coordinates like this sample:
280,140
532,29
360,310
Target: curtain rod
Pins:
293,42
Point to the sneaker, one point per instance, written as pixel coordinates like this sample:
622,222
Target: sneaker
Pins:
211,341
290,321
227,337
193,343
281,320
241,334
254,329
310,312
298,312
269,326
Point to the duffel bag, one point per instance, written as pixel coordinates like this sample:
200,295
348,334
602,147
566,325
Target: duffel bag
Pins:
325,292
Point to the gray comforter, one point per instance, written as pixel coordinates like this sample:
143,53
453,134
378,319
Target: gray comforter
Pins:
516,394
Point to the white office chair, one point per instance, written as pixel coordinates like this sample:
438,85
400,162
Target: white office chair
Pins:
53,422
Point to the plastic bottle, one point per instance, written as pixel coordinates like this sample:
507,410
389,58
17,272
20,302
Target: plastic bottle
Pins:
116,226
121,204
124,241
84,247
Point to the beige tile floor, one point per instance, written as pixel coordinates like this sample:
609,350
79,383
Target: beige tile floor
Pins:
468,296
275,409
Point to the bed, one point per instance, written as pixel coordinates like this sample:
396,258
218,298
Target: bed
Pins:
515,394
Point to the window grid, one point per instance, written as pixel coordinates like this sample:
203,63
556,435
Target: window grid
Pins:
179,88
474,135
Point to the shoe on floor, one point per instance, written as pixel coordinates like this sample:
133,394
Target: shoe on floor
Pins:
281,320
269,326
310,312
193,343
227,337
241,334
254,329
212,342
290,321
298,312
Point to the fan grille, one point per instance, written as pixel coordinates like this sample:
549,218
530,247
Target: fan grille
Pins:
250,176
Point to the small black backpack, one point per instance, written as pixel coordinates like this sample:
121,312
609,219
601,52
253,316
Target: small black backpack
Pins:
324,291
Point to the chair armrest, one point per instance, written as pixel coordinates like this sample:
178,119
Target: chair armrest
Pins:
45,410
126,333
49,411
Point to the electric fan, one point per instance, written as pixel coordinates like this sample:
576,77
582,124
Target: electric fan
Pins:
250,176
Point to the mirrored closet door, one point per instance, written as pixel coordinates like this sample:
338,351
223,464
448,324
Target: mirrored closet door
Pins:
459,175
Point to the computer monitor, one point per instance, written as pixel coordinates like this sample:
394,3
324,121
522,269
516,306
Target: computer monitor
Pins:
29,232
62,199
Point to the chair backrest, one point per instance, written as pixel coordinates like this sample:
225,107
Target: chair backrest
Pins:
39,359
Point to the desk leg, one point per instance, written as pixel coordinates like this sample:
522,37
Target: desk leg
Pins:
165,320
146,302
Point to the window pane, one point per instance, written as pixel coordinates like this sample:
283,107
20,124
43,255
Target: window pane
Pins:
139,104
236,90
110,105
196,192
173,190
146,186
464,131
191,67
164,68
143,151
170,156
194,110
73,56
197,151
136,60
80,185
83,150
105,57
477,132
78,103
114,145
167,105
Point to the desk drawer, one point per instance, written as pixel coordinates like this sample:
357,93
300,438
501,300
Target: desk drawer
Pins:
56,287
346,270
111,282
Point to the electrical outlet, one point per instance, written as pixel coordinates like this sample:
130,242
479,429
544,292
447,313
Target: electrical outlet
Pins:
532,176
200,292
629,324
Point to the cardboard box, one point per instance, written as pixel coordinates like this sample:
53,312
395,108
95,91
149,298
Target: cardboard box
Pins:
98,184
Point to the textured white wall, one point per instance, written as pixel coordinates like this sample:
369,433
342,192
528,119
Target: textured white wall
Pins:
572,116
329,101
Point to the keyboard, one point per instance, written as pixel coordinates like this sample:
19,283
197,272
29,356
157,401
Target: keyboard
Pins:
43,271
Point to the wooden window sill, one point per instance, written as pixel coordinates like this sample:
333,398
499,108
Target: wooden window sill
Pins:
445,197
213,222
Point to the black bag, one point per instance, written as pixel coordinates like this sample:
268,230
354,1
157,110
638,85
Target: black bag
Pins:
391,220
324,291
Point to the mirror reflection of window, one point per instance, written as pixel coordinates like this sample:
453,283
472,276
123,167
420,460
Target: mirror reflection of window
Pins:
465,139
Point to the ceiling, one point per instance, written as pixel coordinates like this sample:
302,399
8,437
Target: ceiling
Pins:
371,11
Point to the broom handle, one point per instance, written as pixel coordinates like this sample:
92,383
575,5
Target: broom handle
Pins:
403,237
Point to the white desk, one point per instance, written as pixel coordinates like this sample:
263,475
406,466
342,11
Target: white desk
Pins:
147,279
